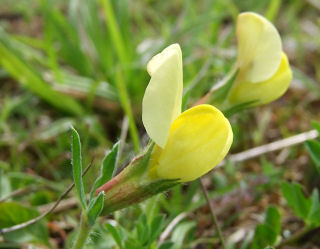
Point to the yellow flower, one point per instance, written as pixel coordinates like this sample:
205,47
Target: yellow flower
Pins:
265,91
264,73
190,144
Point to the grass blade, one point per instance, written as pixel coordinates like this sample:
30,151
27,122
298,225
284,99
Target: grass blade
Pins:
27,76
114,31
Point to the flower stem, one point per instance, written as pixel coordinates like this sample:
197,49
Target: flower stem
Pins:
214,218
83,232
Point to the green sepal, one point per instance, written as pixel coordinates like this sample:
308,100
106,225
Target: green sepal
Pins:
133,184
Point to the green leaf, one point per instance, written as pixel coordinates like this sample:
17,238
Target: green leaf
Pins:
180,233
115,234
266,234
273,220
65,34
185,101
156,227
166,245
296,200
313,148
12,213
77,167
114,32
263,237
94,209
238,108
314,215
143,230
107,168
88,10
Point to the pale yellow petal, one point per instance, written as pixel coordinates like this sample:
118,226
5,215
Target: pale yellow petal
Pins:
162,99
160,58
265,91
259,47
199,139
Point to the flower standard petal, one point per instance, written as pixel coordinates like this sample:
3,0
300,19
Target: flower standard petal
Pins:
199,139
162,100
265,91
259,48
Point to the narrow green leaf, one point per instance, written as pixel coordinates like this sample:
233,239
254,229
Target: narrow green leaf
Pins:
114,31
238,108
273,220
65,33
273,9
156,227
314,216
94,209
114,233
107,168
95,31
166,245
185,101
77,167
28,76
296,200
85,85
143,230
313,148
180,233
263,237
266,234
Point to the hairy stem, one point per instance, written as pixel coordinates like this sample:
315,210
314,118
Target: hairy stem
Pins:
83,232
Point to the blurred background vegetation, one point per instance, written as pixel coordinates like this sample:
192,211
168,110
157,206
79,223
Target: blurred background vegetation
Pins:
83,63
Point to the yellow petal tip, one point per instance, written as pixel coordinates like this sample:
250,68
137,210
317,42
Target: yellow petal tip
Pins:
157,60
